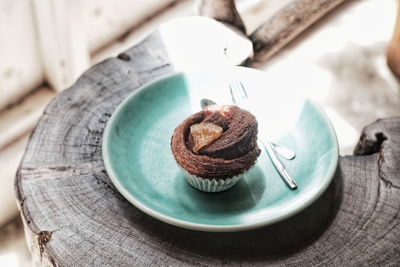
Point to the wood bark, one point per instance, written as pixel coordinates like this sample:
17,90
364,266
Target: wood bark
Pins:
74,216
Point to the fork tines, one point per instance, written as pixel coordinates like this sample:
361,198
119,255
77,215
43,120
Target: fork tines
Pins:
238,92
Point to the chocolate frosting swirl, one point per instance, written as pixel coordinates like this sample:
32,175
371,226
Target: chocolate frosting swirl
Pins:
234,152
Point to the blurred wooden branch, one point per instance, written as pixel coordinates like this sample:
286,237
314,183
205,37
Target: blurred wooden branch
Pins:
393,51
276,32
221,10
287,24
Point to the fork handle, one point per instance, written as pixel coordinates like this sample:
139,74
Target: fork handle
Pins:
279,166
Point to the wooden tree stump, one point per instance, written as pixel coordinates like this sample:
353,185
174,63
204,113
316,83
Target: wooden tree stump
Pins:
73,215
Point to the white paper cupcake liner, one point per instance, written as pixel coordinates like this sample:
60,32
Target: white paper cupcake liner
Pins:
211,185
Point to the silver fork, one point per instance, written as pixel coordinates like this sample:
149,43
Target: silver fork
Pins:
239,94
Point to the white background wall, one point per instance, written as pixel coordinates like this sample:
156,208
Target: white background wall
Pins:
20,64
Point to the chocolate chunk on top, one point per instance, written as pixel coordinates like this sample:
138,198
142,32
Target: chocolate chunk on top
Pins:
204,133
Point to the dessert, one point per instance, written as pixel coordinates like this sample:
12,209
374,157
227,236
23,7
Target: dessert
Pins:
216,146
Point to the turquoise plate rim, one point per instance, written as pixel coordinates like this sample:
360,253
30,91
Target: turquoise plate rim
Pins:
294,209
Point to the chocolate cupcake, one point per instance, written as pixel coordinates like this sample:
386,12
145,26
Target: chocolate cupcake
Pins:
216,146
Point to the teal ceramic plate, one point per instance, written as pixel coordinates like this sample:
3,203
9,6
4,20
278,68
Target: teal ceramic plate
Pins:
138,159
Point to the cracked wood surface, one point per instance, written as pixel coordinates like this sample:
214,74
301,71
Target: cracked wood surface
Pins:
74,216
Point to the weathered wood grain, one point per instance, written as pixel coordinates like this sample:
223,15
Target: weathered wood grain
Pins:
74,216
